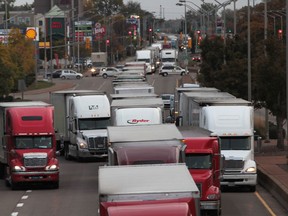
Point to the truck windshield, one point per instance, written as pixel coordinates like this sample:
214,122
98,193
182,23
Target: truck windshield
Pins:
198,161
235,143
32,142
93,123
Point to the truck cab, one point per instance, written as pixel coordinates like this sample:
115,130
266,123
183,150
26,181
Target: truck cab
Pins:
205,164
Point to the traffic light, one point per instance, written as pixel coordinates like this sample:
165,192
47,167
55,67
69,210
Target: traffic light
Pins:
280,34
107,42
198,32
129,33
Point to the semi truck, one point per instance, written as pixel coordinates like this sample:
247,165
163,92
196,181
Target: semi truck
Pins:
232,120
146,56
28,144
205,163
161,190
81,120
146,144
99,59
169,56
137,111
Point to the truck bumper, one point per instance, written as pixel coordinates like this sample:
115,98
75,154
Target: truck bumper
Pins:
239,180
210,205
85,153
52,176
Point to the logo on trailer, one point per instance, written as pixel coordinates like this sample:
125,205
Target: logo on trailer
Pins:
93,107
136,121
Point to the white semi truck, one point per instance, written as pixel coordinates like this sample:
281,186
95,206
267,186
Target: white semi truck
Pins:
81,119
146,55
232,120
139,111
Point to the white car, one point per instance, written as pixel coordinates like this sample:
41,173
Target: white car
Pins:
109,72
70,74
165,70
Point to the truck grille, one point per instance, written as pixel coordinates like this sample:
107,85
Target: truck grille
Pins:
234,164
35,160
97,143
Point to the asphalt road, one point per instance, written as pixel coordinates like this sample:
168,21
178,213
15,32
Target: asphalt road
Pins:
78,190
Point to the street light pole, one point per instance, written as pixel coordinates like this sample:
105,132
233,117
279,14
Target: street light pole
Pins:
249,54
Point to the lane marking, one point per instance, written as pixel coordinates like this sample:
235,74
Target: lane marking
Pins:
14,213
19,205
25,197
265,204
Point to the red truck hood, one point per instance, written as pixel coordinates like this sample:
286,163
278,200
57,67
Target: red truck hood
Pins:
200,175
20,152
168,209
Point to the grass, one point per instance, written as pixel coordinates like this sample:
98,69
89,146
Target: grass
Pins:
40,85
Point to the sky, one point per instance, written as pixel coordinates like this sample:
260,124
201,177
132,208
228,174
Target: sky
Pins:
168,7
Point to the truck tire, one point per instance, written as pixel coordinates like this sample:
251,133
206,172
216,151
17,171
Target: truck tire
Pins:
66,152
252,188
2,171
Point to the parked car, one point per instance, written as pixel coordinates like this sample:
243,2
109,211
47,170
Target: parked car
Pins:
70,74
165,70
55,74
109,72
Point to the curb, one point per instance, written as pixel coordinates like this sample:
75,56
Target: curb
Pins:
274,187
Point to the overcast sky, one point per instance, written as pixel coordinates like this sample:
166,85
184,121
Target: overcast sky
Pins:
168,7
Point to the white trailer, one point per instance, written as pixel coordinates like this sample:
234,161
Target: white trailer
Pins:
158,189
81,119
161,143
140,111
134,89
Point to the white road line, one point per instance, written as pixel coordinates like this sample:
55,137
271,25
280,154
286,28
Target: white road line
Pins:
19,205
25,197
14,213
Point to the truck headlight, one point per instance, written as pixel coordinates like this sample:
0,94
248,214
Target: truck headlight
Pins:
52,167
250,170
83,145
18,169
213,196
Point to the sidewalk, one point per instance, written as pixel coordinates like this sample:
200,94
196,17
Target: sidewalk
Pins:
273,171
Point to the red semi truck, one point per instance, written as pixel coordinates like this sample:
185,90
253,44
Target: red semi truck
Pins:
154,189
204,161
28,144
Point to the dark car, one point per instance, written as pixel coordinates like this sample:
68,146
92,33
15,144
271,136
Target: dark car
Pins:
55,74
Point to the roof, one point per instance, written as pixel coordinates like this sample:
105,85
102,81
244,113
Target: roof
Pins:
24,104
147,179
143,133
77,92
211,95
223,101
138,95
138,102
197,89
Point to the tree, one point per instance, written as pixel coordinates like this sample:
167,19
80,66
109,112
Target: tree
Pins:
270,84
6,73
107,7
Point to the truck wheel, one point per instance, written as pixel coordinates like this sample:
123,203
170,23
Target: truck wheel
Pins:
55,185
252,188
13,185
105,76
2,171
66,152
